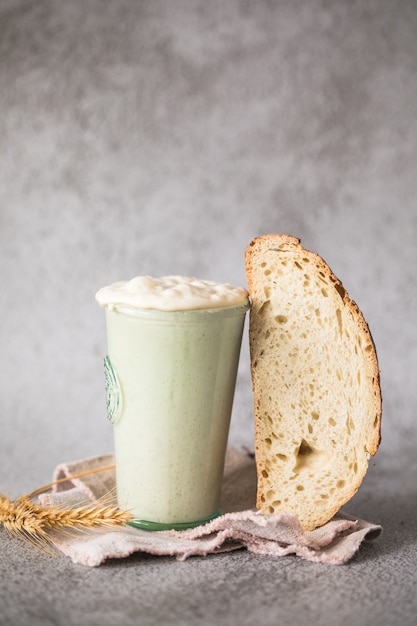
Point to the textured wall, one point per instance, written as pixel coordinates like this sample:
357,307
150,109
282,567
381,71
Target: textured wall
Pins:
161,137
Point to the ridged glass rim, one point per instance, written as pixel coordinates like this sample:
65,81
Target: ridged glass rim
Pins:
155,526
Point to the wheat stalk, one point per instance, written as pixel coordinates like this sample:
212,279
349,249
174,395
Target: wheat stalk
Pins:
31,522
67,479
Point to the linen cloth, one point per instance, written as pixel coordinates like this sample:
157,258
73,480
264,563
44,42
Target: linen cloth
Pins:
239,526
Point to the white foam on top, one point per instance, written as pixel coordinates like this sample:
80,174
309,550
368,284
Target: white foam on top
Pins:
171,293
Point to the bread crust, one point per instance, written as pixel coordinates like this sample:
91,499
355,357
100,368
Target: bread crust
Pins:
287,246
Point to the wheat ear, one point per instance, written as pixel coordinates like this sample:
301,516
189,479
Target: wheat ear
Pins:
32,523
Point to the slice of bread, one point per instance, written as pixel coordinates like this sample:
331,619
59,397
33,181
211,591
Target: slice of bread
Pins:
317,400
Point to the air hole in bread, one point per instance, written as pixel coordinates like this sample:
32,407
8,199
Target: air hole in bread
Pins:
265,306
340,290
332,422
304,449
340,484
308,457
297,264
281,319
339,320
282,457
350,425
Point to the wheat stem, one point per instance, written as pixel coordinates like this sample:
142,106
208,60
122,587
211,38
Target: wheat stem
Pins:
69,479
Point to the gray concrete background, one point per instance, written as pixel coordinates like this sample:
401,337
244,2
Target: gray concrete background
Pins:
161,137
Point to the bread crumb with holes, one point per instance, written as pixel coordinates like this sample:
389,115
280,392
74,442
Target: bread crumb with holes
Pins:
316,384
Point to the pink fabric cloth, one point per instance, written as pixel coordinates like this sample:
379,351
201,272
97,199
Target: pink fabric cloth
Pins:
240,525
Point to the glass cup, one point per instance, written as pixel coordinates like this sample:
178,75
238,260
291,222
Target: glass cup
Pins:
170,382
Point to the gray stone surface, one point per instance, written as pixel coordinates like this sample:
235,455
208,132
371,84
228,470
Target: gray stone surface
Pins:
161,137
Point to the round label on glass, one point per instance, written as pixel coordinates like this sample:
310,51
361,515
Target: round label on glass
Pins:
113,392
